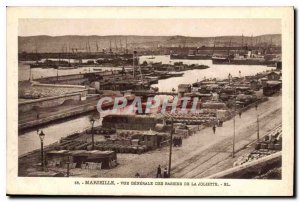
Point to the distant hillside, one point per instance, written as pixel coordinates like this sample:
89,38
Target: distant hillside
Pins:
44,43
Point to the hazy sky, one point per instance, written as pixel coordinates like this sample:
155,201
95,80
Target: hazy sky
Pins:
150,27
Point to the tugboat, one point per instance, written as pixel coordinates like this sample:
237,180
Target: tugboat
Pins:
175,74
219,59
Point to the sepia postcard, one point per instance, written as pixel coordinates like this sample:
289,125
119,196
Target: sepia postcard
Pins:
150,101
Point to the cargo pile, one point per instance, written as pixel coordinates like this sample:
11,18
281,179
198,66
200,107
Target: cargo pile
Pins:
73,145
269,144
94,160
119,148
109,145
192,118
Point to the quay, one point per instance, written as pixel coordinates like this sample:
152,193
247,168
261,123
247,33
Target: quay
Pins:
202,154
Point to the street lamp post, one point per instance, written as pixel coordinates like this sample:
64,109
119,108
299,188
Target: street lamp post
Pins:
68,166
92,120
133,63
29,73
171,144
233,138
257,127
42,136
257,121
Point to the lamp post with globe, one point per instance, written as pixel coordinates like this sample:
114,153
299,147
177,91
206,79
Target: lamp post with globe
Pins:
42,137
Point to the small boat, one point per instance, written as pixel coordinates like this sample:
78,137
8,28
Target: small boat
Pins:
68,67
152,77
97,69
175,74
43,65
220,59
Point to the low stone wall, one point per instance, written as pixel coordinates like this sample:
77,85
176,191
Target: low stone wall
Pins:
59,86
48,102
73,81
74,112
54,79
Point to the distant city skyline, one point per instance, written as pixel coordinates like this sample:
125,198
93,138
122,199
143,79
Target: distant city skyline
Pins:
150,27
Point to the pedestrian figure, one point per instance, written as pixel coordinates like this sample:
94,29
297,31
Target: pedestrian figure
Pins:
221,123
37,116
174,141
240,114
158,174
214,129
137,175
256,106
123,70
166,173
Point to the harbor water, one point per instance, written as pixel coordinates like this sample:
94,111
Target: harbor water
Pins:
57,130
37,73
53,133
192,76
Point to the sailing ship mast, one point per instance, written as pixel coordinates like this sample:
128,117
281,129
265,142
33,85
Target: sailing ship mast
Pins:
126,50
121,45
255,41
228,50
242,42
110,50
213,52
69,54
97,47
116,46
36,52
133,62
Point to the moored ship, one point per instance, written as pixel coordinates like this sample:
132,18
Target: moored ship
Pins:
236,60
175,74
217,59
190,57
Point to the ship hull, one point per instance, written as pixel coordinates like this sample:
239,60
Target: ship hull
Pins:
220,61
242,62
41,65
190,57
